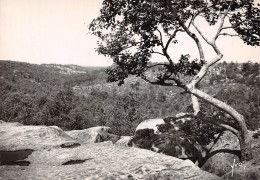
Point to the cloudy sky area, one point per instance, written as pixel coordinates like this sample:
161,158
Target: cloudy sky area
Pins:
56,31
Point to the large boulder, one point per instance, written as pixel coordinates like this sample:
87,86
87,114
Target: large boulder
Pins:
103,161
177,146
15,136
93,135
249,170
224,162
165,136
1,122
151,124
162,125
143,138
124,141
227,151
223,154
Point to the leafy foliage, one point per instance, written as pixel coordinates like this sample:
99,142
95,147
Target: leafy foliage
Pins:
131,32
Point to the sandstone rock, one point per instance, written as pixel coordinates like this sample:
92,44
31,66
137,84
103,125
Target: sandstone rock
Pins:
100,128
226,151
15,136
247,170
151,124
244,171
103,161
162,125
93,135
124,141
10,123
52,159
104,136
1,121
143,138
177,146
56,127
223,154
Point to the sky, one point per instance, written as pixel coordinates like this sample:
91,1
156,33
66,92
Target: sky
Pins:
56,31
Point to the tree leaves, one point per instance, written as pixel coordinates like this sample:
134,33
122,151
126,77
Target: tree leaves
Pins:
186,67
128,30
247,24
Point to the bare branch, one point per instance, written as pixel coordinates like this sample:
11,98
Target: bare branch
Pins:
221,23
218,122
228,27
171,38
161,83
193,18
161,39
217,103
167,76
212,43
216,59
194,37
200,32
164,48
195,104
154,65
204,69
226,34
155,52
218,31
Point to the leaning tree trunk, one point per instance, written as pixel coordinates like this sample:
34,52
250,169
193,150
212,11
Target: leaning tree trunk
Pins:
241,132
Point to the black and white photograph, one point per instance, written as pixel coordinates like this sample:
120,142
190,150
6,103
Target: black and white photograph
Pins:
129,89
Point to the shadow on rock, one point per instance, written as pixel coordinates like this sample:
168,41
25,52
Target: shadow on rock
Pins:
77,161
15,157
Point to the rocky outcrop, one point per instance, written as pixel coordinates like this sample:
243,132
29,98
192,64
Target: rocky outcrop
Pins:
166,136
103,161
223,154
124,141
244,171
15,136
51,159
224,158
161,125
93,135
170,144
151,124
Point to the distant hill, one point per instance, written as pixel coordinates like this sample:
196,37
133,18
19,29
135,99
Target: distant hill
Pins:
29,78
76,97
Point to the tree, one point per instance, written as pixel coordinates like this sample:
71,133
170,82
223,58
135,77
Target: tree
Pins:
132,31
249,68
125,114
17,107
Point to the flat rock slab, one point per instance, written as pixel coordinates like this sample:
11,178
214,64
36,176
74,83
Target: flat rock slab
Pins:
15,136
103,161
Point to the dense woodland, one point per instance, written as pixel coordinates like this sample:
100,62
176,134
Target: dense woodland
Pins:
74,97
